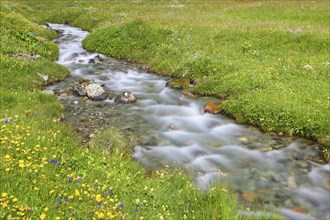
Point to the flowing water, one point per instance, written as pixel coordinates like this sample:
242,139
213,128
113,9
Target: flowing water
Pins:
166,128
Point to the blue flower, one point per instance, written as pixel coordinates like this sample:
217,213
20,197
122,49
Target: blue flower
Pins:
59,200
135,211
109,191
79,179
139,204
121,206
53,161
66,199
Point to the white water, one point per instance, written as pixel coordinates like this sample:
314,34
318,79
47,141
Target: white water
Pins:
211,148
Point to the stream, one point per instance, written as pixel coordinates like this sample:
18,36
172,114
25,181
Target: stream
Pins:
164,127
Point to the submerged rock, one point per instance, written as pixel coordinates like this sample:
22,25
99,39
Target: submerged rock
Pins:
79,90
125,98
211,107
95,92
96,60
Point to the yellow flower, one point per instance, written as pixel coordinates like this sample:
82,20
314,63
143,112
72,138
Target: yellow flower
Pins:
98,198
4,194
46,209
15,199
77,193
42,216
7,169
51,191
7,156
57,218
100,215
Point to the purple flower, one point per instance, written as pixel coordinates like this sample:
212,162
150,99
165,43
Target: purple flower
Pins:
105,195
135,211
121,206
59,200
109,191
66,199
53,161
79,179
99,204
139,204
5,120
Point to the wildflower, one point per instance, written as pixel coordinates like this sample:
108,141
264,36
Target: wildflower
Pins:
99,204
7,156
4,195
98,198
53,161
59,200
51,191
135,211
77,193
79,179
109,192
5,120
46,209
139,204
15,199
42,216
66,199
100,215
121,206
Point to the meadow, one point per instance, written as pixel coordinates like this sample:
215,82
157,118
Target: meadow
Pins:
268,61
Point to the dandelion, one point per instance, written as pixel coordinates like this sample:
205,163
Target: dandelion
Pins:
98,198
51,191
42,216
100,215
4,195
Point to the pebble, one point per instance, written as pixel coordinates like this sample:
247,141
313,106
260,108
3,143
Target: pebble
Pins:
75,102
291,182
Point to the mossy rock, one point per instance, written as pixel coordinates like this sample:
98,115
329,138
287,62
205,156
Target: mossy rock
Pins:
179,83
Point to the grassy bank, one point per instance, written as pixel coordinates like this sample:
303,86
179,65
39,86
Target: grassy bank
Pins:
269,60
47,173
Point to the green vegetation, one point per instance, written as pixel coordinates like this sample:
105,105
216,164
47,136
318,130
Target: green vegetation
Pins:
269,60
47,173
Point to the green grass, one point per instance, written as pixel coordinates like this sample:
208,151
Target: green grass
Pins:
46,172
